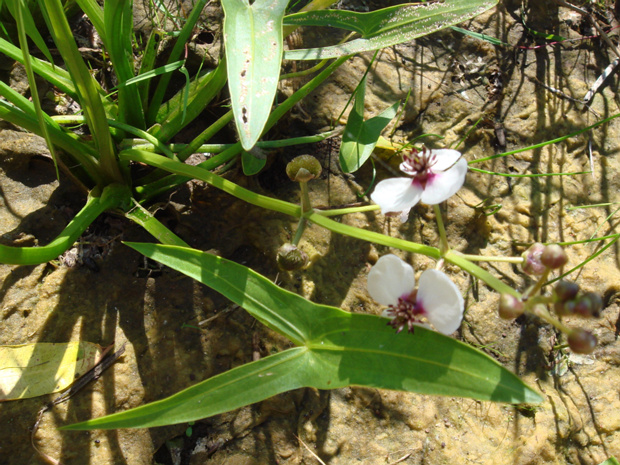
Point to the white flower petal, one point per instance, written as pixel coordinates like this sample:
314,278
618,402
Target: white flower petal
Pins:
443,185
441,300
390,279
396,194
445,158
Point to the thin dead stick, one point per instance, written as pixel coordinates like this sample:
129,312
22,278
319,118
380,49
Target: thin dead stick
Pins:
105,361
310,450
599,82
402,459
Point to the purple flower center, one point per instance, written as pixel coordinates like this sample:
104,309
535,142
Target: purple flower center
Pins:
407,312
419,164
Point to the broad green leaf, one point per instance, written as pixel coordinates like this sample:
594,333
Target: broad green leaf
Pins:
253,46
360,137
385,27
31,370
336,349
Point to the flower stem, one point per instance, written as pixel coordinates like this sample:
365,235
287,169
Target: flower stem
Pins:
482,258
305,198
538,286
301,226
443,240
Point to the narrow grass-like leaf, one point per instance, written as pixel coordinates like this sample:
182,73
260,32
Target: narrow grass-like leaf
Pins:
23,114
337,349
175,54
25,18
24,21
253,46
147,64
54,74
87,89
118,24
478,35
385,27
95,15
360,137
146,76
185,106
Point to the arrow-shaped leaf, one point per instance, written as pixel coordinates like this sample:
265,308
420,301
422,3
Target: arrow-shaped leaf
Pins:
360,137
336,349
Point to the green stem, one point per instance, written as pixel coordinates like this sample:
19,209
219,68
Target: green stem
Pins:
306,206
111,197
301,226
313,216
535,289
345,211
197,172
79,119
457,259
482,258
169,182
443,239
144,218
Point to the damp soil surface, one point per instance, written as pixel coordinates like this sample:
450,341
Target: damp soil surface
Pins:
177,332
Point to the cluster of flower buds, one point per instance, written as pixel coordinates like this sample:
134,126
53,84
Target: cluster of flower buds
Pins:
540,258
568,302
566,299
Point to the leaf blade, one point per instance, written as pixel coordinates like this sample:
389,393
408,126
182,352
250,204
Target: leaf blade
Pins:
360,137
385,27
253,46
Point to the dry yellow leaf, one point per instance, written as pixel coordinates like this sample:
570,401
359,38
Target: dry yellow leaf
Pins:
31,370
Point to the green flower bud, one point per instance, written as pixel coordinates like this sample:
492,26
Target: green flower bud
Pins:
303,168
553,256
510,307
582,341
291,258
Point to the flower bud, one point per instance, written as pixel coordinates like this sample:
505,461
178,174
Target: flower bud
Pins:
565,308
582,341
532,264
510,307
589,304
291,258
553,256
566,290
303,168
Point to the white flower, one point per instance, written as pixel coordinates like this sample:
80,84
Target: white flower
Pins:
436,175
437,300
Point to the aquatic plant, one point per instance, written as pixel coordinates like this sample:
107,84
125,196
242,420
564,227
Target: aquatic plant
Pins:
332,348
